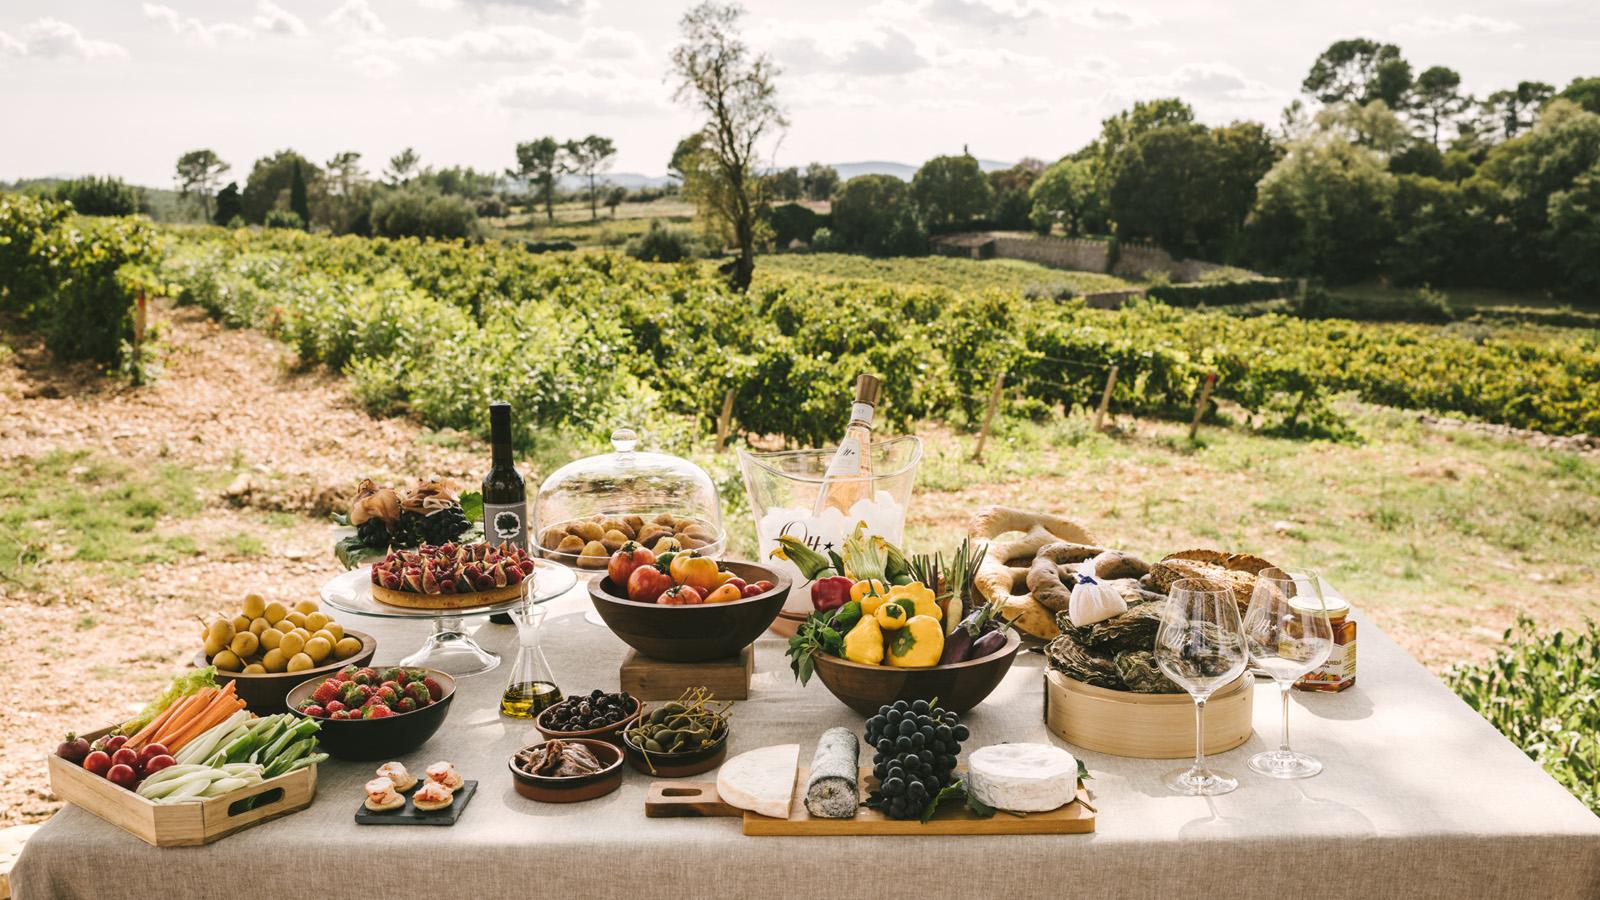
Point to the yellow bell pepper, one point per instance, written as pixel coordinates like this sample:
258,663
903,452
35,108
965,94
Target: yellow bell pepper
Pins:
864,643
699,572
917,645
891,616
921,598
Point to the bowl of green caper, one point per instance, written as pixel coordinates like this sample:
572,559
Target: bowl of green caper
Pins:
685,736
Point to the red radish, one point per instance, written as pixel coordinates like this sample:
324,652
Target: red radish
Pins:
151,751
98,762
122,776
125,756
73,749
156,763
115,742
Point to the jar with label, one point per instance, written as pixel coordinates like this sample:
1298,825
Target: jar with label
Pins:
1339,672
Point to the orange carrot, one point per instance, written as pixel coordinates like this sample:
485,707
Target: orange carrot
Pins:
174,712
208,719
190,708
155,724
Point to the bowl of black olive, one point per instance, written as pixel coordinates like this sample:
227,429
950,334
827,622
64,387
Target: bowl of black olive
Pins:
596,715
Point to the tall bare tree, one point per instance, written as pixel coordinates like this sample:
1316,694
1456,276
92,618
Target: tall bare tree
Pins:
198,173
732,86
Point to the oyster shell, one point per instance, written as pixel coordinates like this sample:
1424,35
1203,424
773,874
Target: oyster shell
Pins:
1141,674
1081,664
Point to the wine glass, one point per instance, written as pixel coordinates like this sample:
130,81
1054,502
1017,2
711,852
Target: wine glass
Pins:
1287,631
1200,646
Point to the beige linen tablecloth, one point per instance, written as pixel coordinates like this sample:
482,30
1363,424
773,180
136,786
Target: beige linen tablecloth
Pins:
1420,798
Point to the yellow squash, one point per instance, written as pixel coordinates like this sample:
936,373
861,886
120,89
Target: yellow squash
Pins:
864,643
891,616
920,597
917,645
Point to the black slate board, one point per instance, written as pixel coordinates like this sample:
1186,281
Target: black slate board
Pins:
410,815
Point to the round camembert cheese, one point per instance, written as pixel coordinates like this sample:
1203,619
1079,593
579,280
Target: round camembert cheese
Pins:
761,781
1023,777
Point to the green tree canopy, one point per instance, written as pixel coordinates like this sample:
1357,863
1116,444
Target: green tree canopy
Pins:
270,181
820,181
1189,188
1068,193
539,162
92,196
229,205
1436,101
1323,210
587,159
1359,71
951,191
1583,91
866,211
198,172
1506,114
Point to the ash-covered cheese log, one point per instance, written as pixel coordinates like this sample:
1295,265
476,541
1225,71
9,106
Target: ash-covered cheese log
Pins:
1023,777
832,792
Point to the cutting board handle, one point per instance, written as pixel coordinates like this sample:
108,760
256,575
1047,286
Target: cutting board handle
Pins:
673,799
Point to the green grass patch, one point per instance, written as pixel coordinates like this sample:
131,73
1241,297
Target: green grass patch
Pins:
87,508
940,271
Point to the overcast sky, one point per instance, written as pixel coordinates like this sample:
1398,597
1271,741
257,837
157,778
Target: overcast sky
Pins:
124,87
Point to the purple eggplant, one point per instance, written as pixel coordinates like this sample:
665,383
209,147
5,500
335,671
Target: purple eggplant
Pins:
988,644
956,646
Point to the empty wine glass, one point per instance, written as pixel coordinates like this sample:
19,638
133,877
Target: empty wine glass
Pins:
1200,647
1287,631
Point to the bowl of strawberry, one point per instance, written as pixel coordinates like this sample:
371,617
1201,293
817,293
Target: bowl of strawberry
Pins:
374,712
684,607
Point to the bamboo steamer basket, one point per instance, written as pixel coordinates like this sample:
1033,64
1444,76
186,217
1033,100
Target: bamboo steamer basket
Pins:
1148,726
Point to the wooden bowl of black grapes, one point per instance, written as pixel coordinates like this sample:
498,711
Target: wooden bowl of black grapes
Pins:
596,715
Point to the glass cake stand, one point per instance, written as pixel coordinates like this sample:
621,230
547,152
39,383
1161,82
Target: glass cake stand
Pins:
448,648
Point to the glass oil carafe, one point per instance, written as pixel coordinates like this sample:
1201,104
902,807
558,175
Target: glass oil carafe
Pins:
531,688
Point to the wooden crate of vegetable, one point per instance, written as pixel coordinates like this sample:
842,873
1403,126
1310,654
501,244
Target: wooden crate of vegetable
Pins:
180,824
192,767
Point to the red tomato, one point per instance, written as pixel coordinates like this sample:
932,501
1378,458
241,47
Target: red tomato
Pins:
125,756
737,582
156,763
151,751
751,590
123,776
681,595
647,584
628,557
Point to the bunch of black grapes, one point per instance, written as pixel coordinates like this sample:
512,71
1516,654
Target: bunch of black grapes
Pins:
917,746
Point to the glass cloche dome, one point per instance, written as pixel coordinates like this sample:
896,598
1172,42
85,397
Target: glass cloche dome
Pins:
589,507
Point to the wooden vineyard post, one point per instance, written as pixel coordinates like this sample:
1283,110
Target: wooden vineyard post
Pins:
988,415
139,320
1200,405
725,420
1105,397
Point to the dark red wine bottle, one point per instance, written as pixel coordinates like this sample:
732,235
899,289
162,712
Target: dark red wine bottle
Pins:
505,498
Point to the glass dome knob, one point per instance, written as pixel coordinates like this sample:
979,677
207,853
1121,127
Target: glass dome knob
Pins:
623,440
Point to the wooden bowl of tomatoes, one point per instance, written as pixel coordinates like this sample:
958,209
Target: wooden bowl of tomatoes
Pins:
700,609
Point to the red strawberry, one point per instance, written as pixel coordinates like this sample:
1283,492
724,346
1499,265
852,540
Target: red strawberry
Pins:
316,711
386,694
334,706
405,705
377,711
435,691
339,715
417,692
325,691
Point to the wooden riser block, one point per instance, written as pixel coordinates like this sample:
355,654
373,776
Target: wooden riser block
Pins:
652,679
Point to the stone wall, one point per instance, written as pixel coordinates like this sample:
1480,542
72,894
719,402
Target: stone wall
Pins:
1078,254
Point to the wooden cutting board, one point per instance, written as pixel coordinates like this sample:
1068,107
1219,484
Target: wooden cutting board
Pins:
667,799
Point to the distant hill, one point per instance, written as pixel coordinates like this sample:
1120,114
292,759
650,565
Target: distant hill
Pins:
902,171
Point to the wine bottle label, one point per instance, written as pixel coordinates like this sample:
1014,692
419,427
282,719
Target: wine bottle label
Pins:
846,460
506,523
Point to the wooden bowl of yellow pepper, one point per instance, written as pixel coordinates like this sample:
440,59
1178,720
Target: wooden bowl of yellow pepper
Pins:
892,652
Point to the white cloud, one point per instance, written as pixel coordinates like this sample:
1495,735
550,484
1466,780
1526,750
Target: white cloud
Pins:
495,43
991,14
610,43
876,50
50,38
192,28
545,7
1107,18
1460,23
274,19
593,91
358,16
374,66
